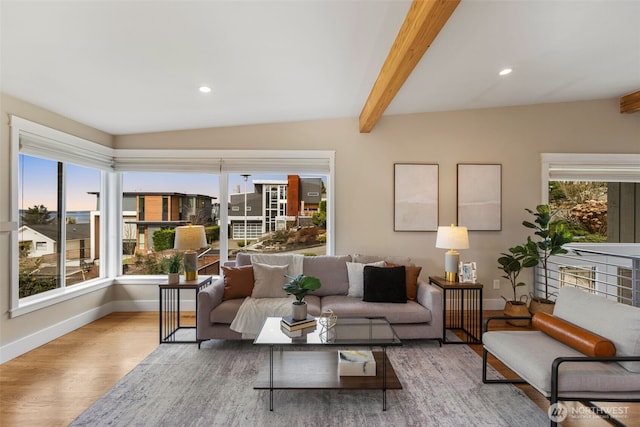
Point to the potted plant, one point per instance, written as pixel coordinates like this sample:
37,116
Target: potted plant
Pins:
511,264
299,286
552,237
172,265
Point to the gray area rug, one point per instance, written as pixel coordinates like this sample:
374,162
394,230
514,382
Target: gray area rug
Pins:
179,385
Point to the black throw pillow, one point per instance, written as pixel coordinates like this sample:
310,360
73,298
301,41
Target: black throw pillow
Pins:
385,284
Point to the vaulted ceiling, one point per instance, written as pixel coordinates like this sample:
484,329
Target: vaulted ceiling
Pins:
136,66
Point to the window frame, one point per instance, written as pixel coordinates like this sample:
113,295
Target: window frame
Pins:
112,163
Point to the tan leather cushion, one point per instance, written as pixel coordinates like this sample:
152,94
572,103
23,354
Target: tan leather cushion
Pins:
238,282
580,339
412,274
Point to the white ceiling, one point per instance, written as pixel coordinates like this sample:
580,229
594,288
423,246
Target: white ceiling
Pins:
135,66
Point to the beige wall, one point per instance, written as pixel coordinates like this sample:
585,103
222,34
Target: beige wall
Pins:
514,137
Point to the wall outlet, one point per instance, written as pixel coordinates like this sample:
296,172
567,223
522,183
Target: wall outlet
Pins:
496,284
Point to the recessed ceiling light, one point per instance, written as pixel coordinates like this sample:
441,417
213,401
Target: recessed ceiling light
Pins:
505,71
205,89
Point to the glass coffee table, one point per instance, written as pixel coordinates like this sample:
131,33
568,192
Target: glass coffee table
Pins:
313,370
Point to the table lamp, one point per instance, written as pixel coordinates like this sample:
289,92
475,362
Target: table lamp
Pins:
188,239
452,238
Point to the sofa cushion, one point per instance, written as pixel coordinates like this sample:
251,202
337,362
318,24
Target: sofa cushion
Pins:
580,339
355,271
411,312
385,284
269,280
243,258
332,272
412,273
530,354
238,282
617,322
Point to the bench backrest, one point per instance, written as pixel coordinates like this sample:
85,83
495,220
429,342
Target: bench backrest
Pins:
618,322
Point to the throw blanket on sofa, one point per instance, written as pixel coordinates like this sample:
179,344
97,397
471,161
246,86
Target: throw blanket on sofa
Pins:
253,311
294,261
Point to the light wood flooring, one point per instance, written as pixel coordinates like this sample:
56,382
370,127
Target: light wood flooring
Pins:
53,384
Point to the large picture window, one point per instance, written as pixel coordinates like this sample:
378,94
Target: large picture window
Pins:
84,214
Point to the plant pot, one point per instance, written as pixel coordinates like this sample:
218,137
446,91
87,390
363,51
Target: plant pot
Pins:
173,278
299,310
516,309
540,304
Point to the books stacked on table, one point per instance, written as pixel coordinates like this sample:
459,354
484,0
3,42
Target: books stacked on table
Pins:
356,363
289,324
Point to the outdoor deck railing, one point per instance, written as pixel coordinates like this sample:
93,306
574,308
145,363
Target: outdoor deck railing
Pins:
609,270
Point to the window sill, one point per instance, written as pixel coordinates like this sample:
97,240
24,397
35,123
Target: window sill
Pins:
56,296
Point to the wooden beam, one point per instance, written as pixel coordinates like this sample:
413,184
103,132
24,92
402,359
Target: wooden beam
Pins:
422,24
630,103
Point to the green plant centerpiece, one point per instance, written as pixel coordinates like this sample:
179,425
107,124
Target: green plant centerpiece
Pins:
551,239
299,286
172,265
512,263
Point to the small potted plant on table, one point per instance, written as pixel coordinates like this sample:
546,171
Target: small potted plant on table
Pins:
299,286
172,265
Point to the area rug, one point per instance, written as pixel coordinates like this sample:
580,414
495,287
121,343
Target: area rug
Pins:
179,385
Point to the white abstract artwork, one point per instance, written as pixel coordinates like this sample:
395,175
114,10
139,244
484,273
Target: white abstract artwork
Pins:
480,196
415,197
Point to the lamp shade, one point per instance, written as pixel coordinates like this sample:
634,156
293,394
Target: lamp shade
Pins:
452,237
190,237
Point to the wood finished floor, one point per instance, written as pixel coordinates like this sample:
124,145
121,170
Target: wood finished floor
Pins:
53,384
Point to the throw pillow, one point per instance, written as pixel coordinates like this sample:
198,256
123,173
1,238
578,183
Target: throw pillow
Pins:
238,282
412,274
269,280
385,284
355,272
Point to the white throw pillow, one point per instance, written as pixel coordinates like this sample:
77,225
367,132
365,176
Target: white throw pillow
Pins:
355,270
269,280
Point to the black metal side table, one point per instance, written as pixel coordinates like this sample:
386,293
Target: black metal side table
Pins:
170,309
461,297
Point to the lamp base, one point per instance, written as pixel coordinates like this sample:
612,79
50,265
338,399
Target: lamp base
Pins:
451,259
190,266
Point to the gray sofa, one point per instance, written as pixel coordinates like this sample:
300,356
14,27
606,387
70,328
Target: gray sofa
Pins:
554,366
419,319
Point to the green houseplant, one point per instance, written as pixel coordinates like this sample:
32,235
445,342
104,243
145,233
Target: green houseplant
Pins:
512,263
172,265
299,286
552,238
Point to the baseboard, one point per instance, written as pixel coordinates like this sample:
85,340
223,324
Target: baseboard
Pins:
43,336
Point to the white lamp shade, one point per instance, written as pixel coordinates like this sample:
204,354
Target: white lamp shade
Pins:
190,237
452,237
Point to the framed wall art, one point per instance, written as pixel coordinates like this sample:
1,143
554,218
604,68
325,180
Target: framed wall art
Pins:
480,196
415,197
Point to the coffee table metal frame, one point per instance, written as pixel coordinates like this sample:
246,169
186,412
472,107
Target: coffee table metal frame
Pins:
348,332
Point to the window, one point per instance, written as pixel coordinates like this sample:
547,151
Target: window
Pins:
595,194
98,192
57,239
170,200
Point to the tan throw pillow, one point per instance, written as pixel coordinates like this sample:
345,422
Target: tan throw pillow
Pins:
269,280
412,274
238,282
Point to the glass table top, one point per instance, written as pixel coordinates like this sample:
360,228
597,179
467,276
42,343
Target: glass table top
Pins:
366,331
